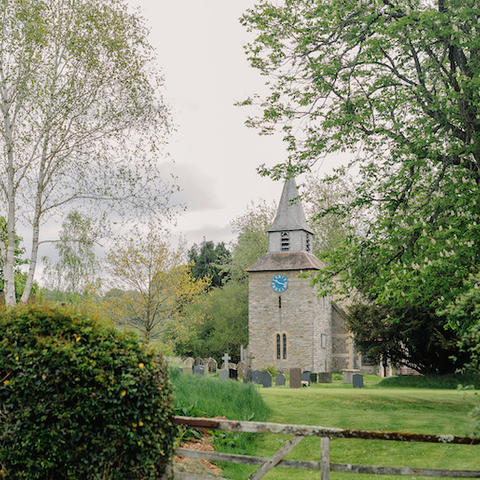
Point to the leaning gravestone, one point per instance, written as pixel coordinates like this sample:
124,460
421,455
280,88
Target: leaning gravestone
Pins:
280,380
241,369
266,379
295,378
325,377
257,377
189,363
199,370
248,376
224,374
306,376
233,373
357,380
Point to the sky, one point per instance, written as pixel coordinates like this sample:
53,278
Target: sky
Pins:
200,52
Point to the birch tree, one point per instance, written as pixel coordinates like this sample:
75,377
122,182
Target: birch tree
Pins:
82,120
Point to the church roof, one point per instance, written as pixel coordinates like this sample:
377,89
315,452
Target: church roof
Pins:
272,262
290,215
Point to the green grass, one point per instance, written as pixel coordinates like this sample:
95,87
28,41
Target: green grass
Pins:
440,382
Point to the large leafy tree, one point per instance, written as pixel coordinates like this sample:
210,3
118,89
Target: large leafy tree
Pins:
81,119
397,83
151,281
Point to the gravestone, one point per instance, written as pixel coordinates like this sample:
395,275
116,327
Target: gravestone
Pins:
280,380
313,378
241,369
199,361
248,376
225,359
199,370
348,374
325,377
180,369
257,377
295,378
211,365
266,379
223,374
232,365
357,380
233,373
306,376
189,363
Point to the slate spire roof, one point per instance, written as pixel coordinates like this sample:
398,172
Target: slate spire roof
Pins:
290,215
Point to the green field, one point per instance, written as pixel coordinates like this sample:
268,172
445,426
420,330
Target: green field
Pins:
415,410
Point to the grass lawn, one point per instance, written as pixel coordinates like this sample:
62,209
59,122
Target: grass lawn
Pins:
372,408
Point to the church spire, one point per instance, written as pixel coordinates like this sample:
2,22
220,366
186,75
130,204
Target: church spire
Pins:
290,215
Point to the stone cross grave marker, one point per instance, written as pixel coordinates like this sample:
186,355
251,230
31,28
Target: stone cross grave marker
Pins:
280,380
225,359
295,378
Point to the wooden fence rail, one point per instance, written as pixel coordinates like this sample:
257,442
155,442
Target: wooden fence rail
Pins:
299,432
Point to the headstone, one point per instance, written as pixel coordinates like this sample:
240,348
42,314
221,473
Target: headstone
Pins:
241,369
199,361
357,380
199,370
280,380
347,375
233,373
306,376
225,359
313,378
247,378
266,379
295,378
180,369
211,365
257,377
232,365
325,377
189,363
224,374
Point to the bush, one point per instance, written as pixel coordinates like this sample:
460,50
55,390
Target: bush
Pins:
79,400
440,382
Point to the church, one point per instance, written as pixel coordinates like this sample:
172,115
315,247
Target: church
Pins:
289,325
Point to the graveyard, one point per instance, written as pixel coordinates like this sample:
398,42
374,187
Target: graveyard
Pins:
442,410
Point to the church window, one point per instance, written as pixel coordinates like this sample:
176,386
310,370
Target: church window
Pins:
308,246
323,341
278,346
279,301
284,347
285,241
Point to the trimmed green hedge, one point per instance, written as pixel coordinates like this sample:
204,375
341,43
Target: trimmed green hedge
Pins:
80,400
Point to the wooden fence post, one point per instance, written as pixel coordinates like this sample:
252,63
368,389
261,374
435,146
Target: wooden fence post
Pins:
325,458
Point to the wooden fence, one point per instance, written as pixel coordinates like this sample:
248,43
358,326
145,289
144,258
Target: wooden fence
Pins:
299,432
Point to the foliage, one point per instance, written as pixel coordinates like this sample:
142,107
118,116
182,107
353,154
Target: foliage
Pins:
82,117
80,400
207,260
74,274
438,382
220,324
470,343
414,337
252,240
396,83
153,284
272,370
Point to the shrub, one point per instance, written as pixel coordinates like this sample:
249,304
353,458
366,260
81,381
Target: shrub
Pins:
272,370
80,400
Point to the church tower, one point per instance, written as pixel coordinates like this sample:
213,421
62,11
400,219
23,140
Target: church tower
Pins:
289,327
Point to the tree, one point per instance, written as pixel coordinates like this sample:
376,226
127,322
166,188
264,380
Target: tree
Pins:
82,120
207,260
153,282
396,83
220,324
252,240
74,274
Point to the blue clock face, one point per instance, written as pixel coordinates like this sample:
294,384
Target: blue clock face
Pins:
279,283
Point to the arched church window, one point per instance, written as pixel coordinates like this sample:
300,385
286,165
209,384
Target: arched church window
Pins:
278,346
285,239
284,346
308,246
